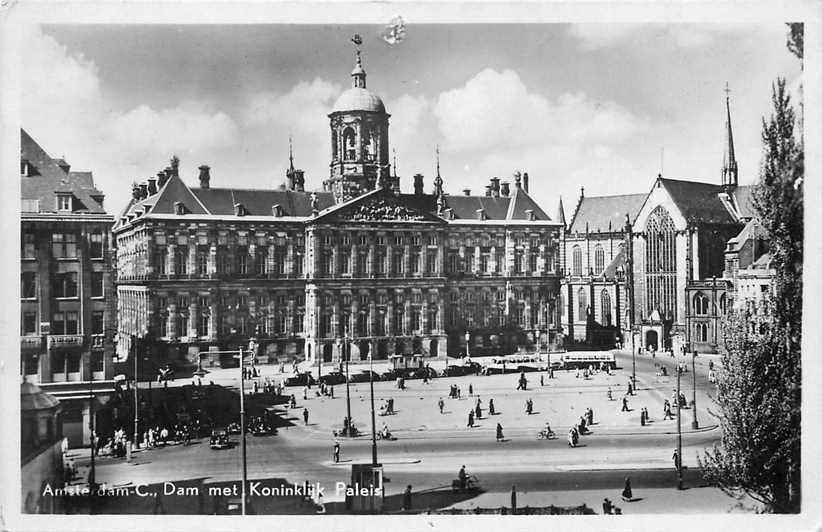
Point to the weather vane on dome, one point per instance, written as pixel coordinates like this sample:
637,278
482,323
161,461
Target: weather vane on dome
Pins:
357,40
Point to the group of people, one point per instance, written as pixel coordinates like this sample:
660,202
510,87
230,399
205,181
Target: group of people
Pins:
387,407
454,392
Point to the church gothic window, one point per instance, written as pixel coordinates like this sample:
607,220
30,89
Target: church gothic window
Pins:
605,303
577,261
599,259
582,305
660,263
700,305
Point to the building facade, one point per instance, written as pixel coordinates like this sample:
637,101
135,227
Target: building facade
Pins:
41,454
67,295
358,267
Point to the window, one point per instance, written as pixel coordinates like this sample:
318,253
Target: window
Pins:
599,260
325,325
64,245
500,262
363,240
160,258
362,259
182,325
224,262
431,259
415,263
398,241
180,263
345,262
73,362
96,361
605,303
518,262
30,365
660,263
327,263
432,240
416,322
700,304
398,263
453,263
29,323
182,302
28,290
350,144
63,202
582,305
532,262
202,324
202,263
484,263
64,323
242,262
97,322
65,284
242,301
96,245
382,264
299,320
298,264
29,246
96,284
576,268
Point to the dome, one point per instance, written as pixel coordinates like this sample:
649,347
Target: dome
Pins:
358,99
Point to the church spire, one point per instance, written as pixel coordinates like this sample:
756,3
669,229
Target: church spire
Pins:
290,155
358,74
729,168
438,179
561,213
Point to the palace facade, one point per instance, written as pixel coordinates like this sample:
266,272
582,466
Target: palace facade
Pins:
357,267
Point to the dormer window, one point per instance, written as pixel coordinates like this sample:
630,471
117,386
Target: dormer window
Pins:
64,202
24,168
179,208
239,210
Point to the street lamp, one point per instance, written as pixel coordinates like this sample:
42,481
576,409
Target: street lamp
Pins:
373,419
633,358
467,344
694,423
136,394
347,388
678,432
242,431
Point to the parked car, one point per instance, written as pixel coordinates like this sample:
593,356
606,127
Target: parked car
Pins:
301,379
219,439
330,379
363,376
458,370
420,373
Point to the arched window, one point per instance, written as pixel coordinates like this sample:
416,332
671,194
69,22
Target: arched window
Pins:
605,303
723,304
704,332
700,305
582,305
334,149
350,144
577,261
660,263
599,259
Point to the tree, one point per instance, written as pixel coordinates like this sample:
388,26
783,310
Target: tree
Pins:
759,391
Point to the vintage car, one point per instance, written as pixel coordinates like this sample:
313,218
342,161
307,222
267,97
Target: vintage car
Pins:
330,379
362,376
219,439
301,379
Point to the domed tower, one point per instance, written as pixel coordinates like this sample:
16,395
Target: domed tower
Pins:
359,139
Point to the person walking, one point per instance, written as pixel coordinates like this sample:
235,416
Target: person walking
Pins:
642,417
630,388
542,380
336,451
625,404
305,415
470,390
441,404
675,458
478,411
470,418
589,414
627,493
491,407
499,432
406,498
571,442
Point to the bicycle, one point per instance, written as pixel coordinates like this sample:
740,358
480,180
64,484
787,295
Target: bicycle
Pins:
546,434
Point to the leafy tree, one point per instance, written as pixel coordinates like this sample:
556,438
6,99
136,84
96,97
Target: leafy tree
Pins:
759,391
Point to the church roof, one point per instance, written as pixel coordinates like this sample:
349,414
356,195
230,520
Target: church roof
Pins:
606,213
358,99
698,202
619,260
258,202
744,200
46,178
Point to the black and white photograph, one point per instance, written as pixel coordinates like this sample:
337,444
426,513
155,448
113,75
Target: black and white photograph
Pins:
346,261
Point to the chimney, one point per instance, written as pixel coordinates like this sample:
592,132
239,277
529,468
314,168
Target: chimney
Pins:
466,191
525,181
495,187
488,190
152,186
505,189
205,176
517,179
418,185
480,214
143,190
135,191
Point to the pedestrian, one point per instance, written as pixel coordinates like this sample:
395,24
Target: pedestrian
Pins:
610,394
459,393
551,373
499,432
627,494
305,393
642,417
625,404
590,415
406,498
630,388
675,458
331,392
470,390
470,418
491,407
441,404
571,442
336,451
478,410
305,415
541,380
577,375
607,506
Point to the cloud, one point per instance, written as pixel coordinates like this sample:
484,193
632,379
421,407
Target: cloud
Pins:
299,109
66,111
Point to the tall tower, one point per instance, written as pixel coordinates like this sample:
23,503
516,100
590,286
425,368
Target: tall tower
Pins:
294,178
359,139
729,169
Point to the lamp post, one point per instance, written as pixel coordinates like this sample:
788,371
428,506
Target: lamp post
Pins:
678,432
347,388
373,419
467,344
242,432
136,395
694,423
633,359
91,474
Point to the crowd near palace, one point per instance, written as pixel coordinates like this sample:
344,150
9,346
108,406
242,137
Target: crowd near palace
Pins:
361,270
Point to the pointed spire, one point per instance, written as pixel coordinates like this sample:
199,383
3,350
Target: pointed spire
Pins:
561,213
729,168
290,155
438,179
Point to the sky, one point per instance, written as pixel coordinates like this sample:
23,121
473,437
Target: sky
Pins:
601,106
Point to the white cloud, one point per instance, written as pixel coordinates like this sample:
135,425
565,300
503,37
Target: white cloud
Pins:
300,110
65,111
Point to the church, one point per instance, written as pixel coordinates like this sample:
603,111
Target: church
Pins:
648,270
356,270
